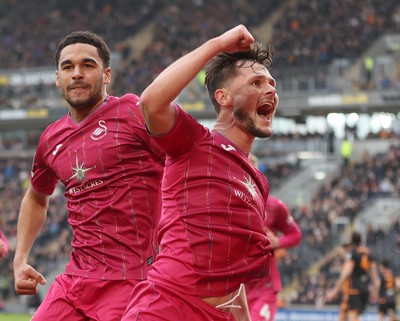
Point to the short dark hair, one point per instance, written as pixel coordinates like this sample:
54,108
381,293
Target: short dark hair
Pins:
224,67
385,263
86,37
356,238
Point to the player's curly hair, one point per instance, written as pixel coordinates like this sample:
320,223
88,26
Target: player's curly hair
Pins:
86,37
224,66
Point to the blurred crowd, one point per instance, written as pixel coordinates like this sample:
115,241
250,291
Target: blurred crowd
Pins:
345,195
316,32
33,42
297,36
179,24
307,34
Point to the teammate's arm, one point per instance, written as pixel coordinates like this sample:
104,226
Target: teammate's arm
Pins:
291,233
31,217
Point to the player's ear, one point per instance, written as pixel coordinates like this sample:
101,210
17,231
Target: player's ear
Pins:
57,79
107,75
222,96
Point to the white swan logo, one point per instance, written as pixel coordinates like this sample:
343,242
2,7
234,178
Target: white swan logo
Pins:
100,131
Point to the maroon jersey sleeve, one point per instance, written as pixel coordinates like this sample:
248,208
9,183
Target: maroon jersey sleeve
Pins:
284,223
43,178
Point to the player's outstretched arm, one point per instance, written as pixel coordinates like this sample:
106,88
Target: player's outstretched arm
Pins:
347,269
30,220
376,282
291,232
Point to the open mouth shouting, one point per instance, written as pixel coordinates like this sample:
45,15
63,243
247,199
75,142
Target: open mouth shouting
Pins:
266,111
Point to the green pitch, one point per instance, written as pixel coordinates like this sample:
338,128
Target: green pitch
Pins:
15,317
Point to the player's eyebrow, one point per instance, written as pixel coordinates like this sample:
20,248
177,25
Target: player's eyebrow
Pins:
84,60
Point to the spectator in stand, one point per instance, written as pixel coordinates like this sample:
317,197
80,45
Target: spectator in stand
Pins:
346,150
283,233
112,172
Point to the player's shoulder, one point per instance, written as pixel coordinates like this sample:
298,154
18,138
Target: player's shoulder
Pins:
358,252
125,105
273,200
353,252
276,203
128,99
363,250
56,125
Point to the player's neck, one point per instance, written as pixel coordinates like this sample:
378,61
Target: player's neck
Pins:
241,139
80,113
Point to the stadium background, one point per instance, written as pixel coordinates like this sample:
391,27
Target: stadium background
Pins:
337,66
